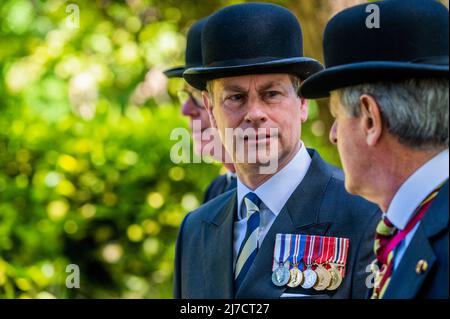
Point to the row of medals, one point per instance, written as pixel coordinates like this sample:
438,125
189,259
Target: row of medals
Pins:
319,279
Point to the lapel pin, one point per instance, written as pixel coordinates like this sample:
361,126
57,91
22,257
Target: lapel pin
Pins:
421,266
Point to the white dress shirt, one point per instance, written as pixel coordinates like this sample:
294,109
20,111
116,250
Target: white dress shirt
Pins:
413,191
274,194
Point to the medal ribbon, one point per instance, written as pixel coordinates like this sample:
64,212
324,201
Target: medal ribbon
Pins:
331,252
281,252
317,247
301,250
339,253
311,249
324,250
308,250
343,244
294,251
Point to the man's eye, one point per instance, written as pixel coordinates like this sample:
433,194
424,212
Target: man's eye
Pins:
271,94
235,97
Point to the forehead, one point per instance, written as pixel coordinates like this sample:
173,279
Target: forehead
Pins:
254,80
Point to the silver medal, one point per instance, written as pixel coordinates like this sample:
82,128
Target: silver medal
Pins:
281,276
310,278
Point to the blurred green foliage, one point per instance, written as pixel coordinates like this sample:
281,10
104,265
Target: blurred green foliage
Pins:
85,170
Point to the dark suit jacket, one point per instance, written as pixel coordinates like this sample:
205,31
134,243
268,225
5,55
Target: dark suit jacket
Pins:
430,243
319,206
219,186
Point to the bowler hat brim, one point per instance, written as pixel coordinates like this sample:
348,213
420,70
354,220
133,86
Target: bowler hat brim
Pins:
301,67
175,72
322,83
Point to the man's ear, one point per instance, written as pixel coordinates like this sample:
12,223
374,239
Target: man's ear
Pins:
303,109
207,101
371,119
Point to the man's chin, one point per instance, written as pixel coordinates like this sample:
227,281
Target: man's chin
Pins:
350,187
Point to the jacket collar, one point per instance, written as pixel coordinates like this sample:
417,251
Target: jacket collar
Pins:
299,215
406,282
313,186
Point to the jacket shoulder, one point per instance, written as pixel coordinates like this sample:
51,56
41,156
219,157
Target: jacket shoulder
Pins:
342,205
215,188
209,210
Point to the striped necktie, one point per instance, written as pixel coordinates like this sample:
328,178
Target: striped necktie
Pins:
249,247
387,238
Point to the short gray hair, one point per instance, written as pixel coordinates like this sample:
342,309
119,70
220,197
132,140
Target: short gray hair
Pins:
415,110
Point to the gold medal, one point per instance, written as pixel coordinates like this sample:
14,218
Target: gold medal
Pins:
296,278
323,278
336,278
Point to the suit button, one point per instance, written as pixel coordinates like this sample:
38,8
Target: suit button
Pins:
421,266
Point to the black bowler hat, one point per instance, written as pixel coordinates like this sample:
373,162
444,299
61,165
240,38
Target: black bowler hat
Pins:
251,38
412,42
193,50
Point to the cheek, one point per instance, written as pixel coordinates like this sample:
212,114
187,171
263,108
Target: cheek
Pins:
348,149
222,121
229,119
292,129
341,142
205,119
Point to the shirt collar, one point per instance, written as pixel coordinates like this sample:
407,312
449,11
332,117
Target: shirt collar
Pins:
275,192
416,188
230,175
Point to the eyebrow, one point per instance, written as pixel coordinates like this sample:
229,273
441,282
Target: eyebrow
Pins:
265,86
271,85
234,88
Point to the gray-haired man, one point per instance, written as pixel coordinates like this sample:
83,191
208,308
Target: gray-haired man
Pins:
389,95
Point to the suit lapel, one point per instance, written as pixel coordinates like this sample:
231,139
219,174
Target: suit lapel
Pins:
406,282
299,216
218,251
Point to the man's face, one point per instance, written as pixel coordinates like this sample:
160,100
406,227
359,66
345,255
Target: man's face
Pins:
259,103
192,107
348,134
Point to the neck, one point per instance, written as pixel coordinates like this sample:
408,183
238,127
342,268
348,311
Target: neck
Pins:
393,171
250,175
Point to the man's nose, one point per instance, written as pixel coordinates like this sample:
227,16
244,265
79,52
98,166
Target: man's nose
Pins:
256,111
189,108
333,136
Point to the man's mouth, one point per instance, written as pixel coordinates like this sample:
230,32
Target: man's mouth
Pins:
259,138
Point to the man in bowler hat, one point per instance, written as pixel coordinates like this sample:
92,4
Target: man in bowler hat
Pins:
389,95
192,107
253,64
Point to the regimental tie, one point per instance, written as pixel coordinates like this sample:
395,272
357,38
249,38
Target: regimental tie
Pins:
249,247
387,238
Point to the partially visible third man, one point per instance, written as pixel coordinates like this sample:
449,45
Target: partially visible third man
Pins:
193,108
